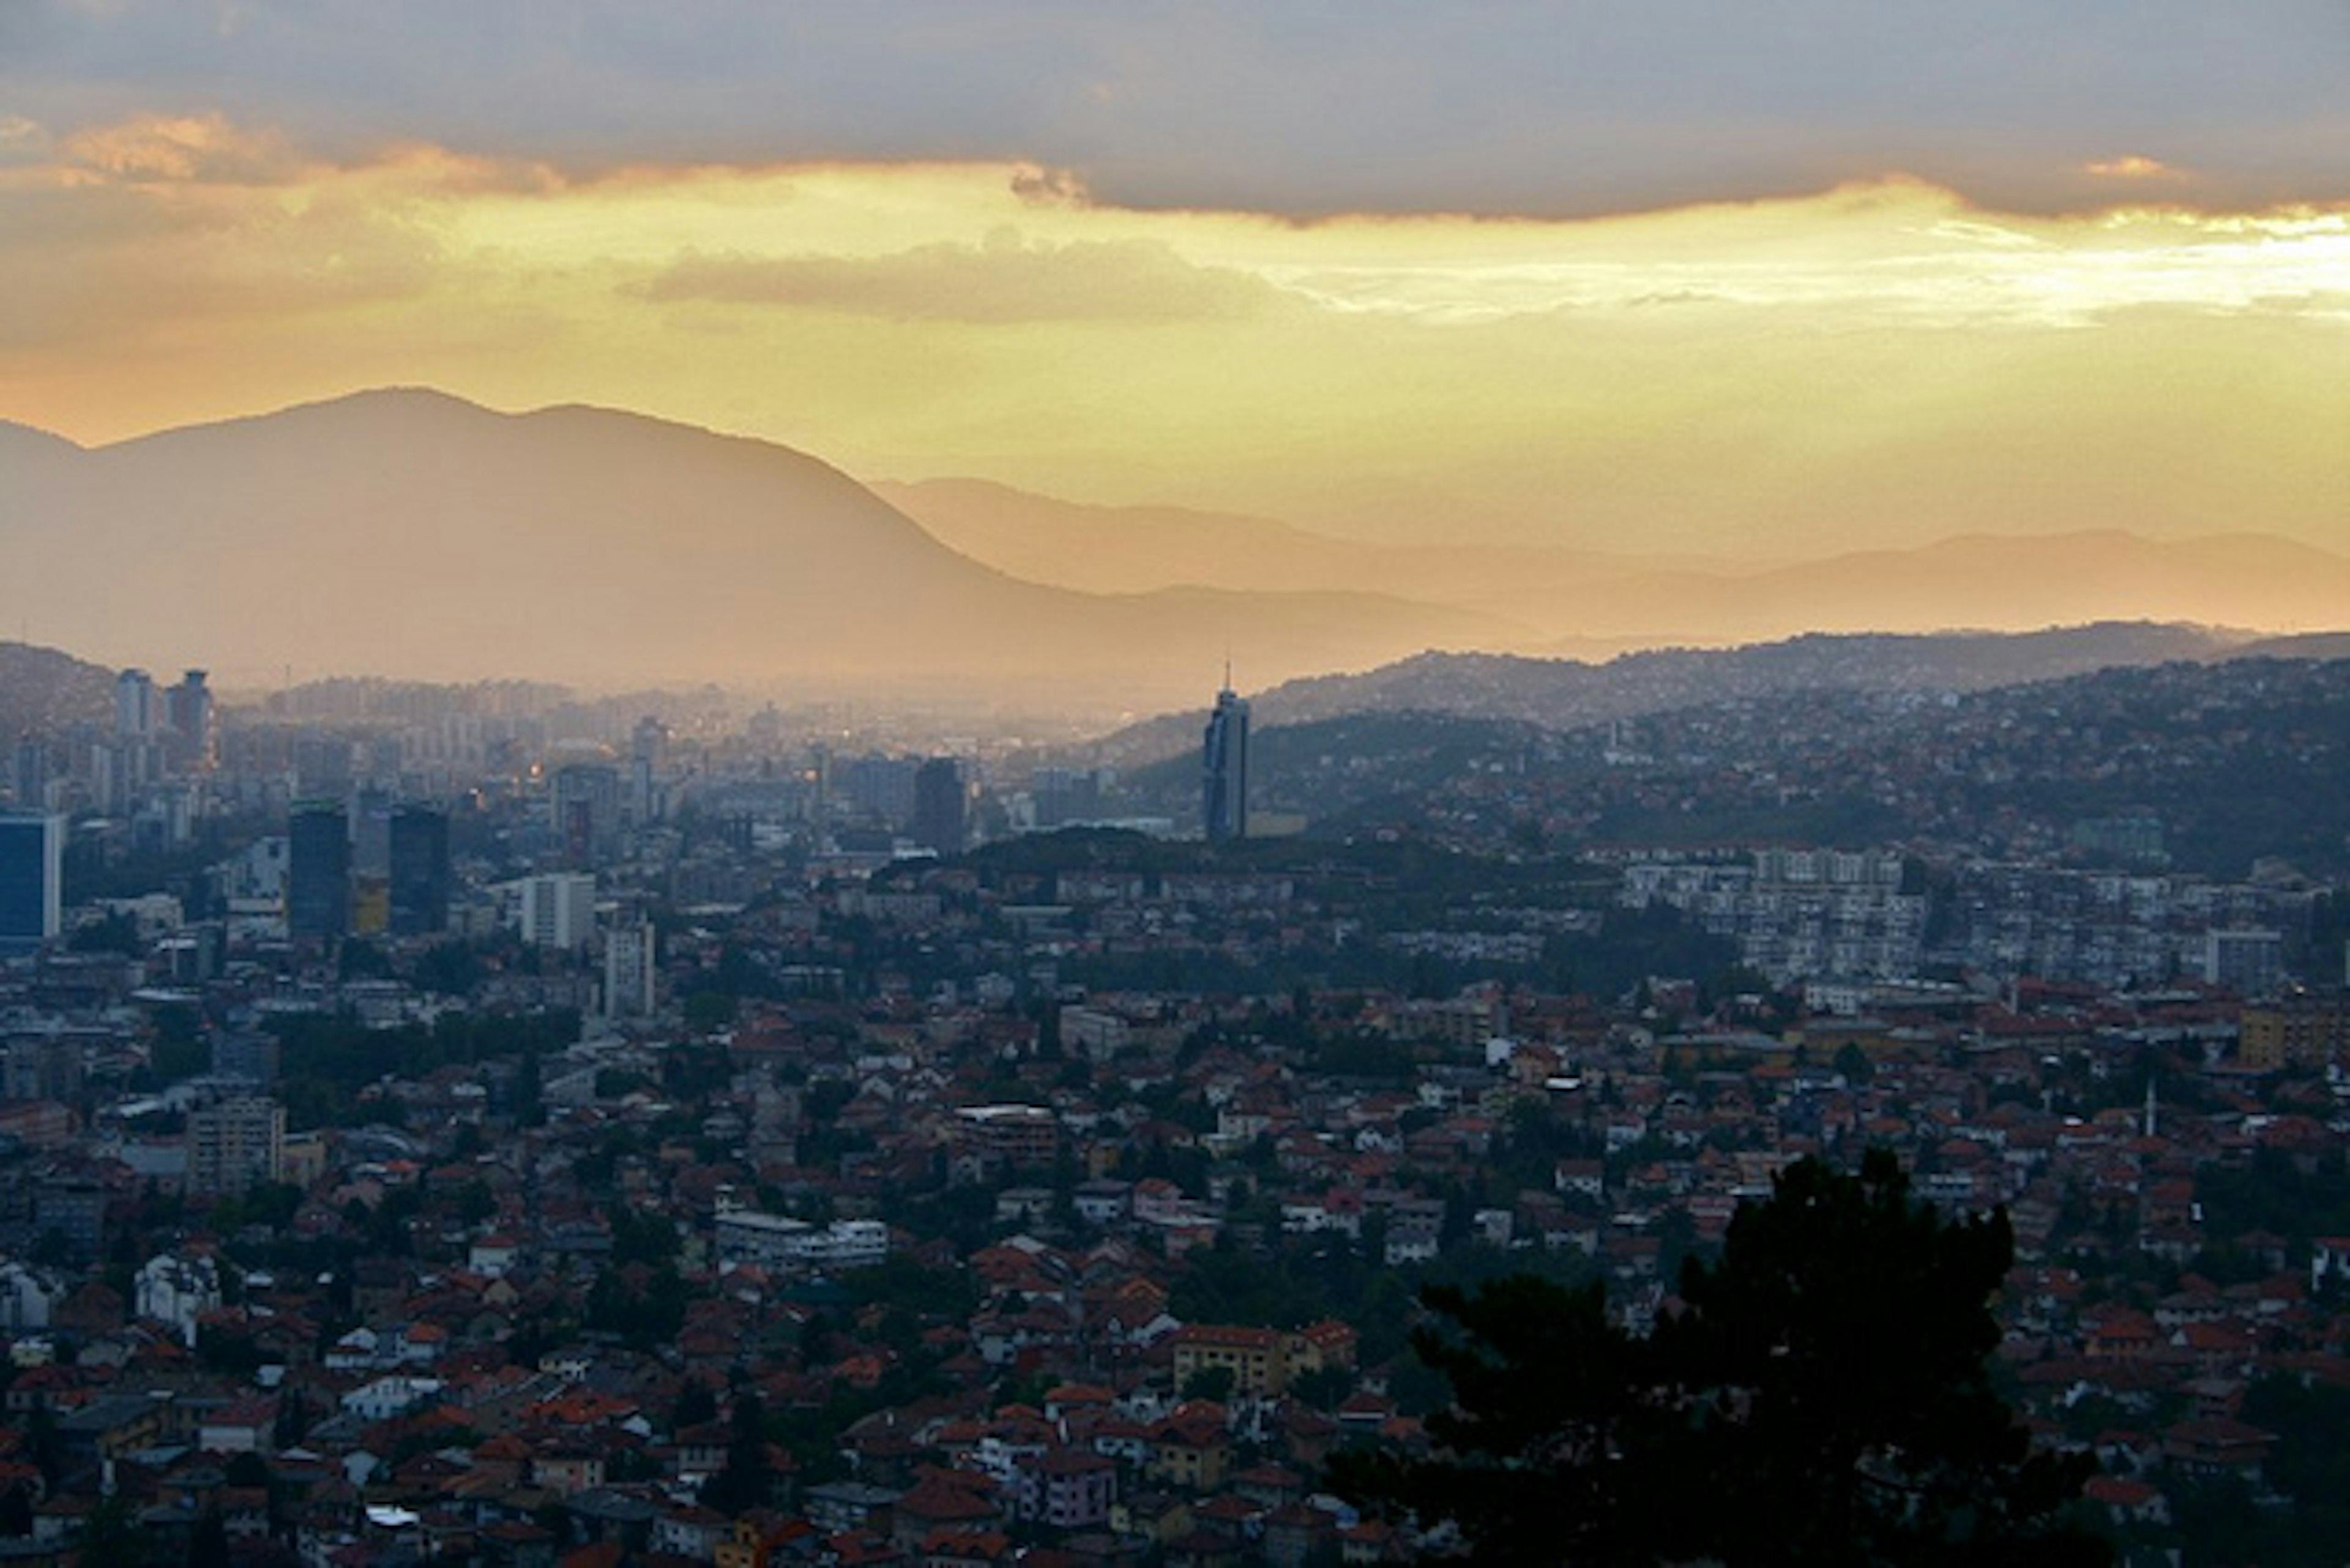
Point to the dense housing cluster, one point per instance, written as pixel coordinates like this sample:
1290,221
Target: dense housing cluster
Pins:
476,1127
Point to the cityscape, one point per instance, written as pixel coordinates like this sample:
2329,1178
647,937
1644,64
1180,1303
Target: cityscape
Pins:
431,1110
944,787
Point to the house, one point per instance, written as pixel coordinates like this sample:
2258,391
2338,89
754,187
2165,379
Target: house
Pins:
1255,1357
2211,1447
950,1501
1065,1488
1190,1450
241,1427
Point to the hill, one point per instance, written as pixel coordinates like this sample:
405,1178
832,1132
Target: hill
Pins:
43,691
1565,694
411,534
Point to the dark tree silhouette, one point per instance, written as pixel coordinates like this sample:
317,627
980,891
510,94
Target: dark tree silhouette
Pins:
1822,1395
745,1479
208,1547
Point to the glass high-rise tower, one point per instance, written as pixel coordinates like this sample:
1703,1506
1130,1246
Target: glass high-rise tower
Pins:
32,860
1224,759
318,870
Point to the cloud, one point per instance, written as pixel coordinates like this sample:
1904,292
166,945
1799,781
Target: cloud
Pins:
191,149
1007,280
22,138
185,229
1550,107
2132,167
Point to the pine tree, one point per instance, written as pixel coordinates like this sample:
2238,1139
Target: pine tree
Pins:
1823,1396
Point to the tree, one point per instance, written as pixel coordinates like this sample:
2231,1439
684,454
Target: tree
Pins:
1824,1388
111,1534
695,1405
208,1547
744,1479
1210,1383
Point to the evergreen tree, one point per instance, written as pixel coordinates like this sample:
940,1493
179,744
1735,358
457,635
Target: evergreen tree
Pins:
208,1546
1823,1396
744,1482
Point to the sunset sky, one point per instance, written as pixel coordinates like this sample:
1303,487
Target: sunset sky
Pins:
1703,276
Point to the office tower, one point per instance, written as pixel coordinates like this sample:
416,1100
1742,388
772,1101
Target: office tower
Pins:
134,705
629,970
235,1144
32,876
587,813
1223,804
647,748
33,771
420,871
318,870
1063,796
188,709
882,787
558,910
938,806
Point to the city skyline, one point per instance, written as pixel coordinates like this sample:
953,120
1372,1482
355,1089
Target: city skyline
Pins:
1702,281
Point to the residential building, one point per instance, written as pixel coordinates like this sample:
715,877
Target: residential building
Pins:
234,1143
629,971
558,910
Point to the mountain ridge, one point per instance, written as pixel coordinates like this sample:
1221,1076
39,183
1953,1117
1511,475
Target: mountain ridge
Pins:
1559,694
408,531
1583,601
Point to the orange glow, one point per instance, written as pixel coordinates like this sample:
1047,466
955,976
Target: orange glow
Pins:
1878,362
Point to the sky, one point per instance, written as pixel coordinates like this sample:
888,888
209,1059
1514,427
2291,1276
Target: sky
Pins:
1687,274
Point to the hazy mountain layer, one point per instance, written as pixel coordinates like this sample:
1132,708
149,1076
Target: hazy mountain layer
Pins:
42,691
1563,694
1579,598
410,534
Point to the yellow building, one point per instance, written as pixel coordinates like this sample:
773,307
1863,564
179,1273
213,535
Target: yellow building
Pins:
2301,1031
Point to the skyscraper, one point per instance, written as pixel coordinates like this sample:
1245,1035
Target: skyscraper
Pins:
36,767
188,709
420,871
134,705
1223,800
938,806
318,870
586,813
647,747
32,865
